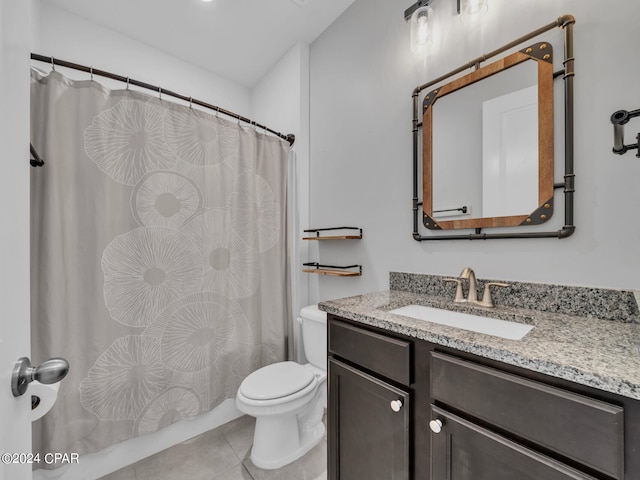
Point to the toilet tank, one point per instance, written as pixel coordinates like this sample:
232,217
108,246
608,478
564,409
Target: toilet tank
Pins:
314,335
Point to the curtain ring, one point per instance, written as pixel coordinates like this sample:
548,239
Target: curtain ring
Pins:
91,71
127,83
190,102
160,93
53,65
218,112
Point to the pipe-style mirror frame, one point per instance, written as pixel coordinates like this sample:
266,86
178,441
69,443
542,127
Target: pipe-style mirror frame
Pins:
542,53
546,185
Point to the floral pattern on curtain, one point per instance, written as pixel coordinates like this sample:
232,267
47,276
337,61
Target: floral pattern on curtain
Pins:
159,266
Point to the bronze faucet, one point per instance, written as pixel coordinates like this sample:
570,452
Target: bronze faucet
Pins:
472,296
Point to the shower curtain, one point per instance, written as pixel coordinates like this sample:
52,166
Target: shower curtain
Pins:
159,259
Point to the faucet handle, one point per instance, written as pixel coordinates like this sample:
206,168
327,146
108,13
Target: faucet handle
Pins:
459,295
487,301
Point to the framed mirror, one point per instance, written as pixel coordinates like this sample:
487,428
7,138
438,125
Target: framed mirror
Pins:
488,145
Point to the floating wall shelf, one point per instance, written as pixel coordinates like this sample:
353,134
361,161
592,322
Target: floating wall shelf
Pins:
334,270
334,233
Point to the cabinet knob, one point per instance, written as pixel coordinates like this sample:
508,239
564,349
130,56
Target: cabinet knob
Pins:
435,425
396,405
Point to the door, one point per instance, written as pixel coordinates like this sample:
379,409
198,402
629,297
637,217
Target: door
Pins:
369,424
510,153
462,450
15,426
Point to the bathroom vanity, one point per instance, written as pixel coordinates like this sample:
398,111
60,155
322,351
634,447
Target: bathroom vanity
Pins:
410,399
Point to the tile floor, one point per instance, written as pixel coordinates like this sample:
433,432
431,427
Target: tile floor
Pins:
222,454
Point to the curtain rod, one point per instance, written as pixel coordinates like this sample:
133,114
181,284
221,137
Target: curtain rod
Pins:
130,81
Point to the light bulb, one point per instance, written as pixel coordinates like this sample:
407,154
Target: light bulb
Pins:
421,35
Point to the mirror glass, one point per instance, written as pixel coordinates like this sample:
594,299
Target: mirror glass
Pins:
488,146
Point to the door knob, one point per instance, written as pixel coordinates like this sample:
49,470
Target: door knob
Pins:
51,371
396,405
435,425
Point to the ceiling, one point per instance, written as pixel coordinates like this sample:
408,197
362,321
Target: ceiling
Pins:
236,39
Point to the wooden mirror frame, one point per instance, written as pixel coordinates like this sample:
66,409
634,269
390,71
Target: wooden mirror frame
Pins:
542,53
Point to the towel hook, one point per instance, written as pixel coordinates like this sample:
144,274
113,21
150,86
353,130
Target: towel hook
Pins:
619,119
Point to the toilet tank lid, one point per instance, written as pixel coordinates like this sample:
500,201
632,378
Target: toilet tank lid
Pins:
312,312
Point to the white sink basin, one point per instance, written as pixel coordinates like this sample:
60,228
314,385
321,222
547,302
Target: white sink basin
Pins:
466,321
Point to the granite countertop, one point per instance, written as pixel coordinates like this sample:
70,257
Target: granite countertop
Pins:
603,354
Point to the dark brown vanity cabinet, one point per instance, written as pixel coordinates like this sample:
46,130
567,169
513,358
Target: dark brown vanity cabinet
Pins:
464,450
510,422
373,438
464,417
370,419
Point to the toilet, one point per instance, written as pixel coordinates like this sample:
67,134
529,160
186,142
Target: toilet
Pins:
288,399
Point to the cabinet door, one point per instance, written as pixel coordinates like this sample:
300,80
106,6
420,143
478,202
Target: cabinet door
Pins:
368,438
465,451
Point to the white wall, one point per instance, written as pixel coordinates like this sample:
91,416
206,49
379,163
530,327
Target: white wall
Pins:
281,96
58,33
362,76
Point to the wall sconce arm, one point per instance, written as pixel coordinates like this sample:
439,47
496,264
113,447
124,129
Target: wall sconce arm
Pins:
422,3
419,4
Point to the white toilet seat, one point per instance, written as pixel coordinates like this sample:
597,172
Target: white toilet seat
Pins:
276,381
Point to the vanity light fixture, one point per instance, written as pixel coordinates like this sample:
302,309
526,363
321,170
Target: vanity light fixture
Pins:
419,15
